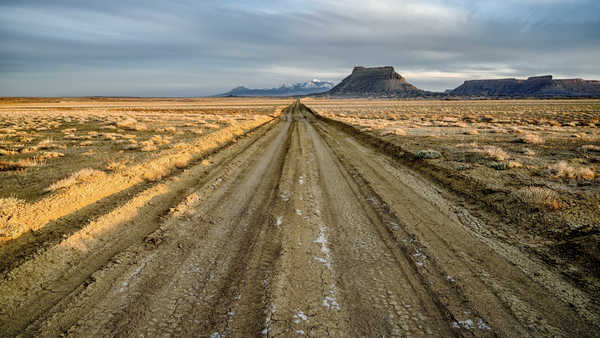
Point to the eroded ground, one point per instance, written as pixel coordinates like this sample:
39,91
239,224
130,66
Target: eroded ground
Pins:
299,227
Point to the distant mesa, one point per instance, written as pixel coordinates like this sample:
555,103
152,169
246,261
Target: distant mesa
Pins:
533,87
384,82
302,88
376,82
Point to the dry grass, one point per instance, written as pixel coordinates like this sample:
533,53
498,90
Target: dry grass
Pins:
563,171
530,139
591,147
131,124
181,161
87,185
18,165
495,153
82,176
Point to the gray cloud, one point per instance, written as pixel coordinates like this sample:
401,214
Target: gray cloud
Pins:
189,48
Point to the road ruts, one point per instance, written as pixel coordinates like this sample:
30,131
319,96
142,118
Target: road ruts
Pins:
297,230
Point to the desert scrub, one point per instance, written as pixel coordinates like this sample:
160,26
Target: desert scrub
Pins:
495,153
499,165
530,139
82,176
131,124
393,131
563,171
591,147
539,197
427,154
17,165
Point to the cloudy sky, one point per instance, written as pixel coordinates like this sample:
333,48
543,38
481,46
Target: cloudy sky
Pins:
194,48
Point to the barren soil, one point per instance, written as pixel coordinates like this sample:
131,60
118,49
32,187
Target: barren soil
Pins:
298,228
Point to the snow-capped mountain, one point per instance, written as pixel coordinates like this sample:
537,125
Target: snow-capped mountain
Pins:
285,89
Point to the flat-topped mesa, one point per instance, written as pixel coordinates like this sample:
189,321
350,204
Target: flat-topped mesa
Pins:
543,77
536,86
375,81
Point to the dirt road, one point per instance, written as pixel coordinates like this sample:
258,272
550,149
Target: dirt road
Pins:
297,229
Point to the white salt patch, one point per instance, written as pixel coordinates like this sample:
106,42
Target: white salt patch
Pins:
331,303
301,315
465,324
483,325
322,240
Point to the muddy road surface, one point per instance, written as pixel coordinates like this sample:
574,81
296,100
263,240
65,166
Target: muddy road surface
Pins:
296,229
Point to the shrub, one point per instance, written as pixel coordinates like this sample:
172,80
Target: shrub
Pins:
428,154
181,161
515,164
393,131
17,165
527,152
499,165
496,153
539,197
530,139
131,124
591,147
562,170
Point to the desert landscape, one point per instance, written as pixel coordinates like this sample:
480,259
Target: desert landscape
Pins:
217,169
256,216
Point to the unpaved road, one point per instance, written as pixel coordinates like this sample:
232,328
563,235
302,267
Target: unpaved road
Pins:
297,229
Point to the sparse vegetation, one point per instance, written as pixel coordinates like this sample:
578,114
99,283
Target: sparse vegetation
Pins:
428,154
56,161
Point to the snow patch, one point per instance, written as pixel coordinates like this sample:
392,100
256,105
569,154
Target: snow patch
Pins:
279,220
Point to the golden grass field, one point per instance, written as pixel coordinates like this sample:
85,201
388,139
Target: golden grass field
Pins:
59,155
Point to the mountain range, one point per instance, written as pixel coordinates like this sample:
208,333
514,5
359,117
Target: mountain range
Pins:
301,88
386,83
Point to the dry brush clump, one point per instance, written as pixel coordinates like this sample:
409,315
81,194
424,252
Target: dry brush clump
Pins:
591,147
495,153
130,123
19,164
564,171
530,139
539,197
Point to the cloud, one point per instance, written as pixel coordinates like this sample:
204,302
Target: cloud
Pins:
128,47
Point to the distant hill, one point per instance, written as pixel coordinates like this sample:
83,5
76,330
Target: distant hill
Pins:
537,87
314,86
376,82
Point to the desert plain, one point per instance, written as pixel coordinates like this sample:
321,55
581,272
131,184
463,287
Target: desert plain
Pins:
280,217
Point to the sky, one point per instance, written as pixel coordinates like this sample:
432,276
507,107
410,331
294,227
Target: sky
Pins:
198,48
